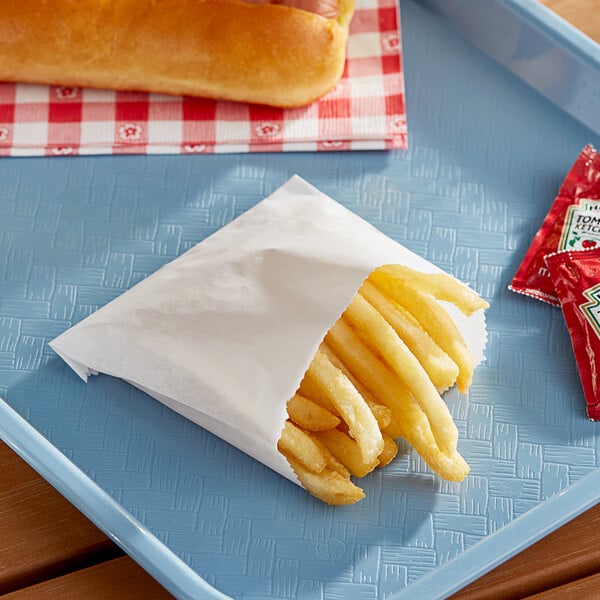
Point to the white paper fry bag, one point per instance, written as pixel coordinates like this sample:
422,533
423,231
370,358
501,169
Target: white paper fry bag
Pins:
224,333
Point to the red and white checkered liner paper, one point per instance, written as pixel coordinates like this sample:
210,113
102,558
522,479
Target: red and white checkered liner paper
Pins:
365,111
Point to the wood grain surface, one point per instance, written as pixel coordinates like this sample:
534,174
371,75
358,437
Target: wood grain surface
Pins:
50,550
115,579
42,534
582,14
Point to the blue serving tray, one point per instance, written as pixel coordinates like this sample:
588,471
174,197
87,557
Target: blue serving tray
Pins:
487,154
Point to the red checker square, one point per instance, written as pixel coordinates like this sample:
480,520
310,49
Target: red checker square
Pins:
335,108
64,112
259,112
394,104
390,64
199,109
132,111
388,19
7,113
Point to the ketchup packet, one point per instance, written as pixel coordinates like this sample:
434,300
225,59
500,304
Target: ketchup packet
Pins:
573,223
576,279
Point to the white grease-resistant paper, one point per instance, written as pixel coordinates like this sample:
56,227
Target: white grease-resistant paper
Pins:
224,333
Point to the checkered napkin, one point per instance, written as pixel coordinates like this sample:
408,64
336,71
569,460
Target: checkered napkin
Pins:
364,112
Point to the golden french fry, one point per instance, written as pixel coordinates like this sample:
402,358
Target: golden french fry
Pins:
309,415
434,319
375,378
382,413
329,486
299,445
332,462
440,285
350,404
393,430
367,368
347,451
390,449
442,370
310,388
379,335
408,421
416,431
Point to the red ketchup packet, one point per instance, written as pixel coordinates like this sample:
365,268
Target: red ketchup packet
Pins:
576,279
573,223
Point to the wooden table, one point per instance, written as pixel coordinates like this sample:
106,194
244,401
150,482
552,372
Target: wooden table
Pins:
50,550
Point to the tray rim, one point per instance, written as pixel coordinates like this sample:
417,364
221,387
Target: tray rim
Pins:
557,27
580,52
101,508
182,581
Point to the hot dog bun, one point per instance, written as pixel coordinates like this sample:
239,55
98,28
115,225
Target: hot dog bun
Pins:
226,49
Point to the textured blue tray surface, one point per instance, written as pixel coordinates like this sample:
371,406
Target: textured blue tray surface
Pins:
486,157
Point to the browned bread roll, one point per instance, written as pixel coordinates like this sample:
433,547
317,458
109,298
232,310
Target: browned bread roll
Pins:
228,49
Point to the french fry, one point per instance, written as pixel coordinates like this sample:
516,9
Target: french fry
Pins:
299,445
379,335
350,404
393,430
332,462
440,285
442,370
434,319
382,413
367,368
309,415
417,432
390,449
329,486
310,388
377,377
408,421
347,451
